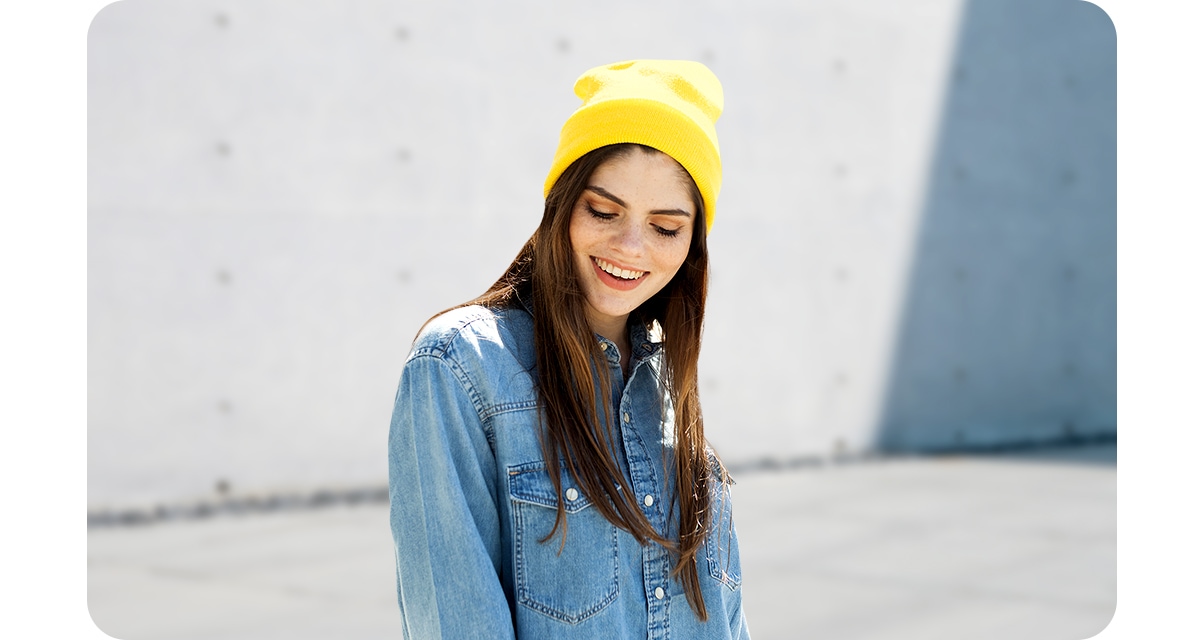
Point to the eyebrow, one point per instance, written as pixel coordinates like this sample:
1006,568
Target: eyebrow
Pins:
619,201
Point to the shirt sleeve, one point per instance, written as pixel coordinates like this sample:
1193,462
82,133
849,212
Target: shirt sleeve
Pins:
735,615
443,509
734,599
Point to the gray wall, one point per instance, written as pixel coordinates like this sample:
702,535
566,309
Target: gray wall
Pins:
914,246
1009,328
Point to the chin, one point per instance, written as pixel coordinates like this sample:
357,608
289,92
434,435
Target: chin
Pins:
611,309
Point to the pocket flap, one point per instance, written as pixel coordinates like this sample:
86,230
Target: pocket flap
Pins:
530,483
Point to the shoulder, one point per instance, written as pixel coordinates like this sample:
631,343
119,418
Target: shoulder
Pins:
477,338
439,334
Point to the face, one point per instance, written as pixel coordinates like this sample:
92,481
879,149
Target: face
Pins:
630,232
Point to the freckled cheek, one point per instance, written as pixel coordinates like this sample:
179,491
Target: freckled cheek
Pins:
579,239
585,269
678,258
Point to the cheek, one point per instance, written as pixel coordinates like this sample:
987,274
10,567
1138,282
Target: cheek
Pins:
677,256
580,242
579,235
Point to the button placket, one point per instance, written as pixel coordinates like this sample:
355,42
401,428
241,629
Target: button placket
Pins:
643,474
643,471
656,577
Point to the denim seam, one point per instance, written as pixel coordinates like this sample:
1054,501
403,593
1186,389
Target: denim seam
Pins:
508,407
466,385
451,334
714,551
527,600
524,595
546,499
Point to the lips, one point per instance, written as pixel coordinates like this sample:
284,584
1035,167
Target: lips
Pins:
625,274
617,277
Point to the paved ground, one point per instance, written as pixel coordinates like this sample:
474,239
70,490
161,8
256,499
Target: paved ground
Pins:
978,547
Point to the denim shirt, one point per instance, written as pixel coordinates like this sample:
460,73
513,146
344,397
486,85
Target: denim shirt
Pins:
471,498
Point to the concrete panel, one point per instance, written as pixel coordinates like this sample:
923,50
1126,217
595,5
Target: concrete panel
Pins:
1009,330
281,192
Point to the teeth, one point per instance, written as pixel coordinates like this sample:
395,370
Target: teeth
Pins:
617,272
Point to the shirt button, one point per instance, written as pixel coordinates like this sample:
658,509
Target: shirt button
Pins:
603,345
571,494
626,417
660,593
648,500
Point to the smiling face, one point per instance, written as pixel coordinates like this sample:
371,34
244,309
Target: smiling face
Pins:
630,231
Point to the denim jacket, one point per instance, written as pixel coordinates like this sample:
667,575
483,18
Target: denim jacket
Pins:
471,498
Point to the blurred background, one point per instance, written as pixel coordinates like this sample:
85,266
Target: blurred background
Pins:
914,253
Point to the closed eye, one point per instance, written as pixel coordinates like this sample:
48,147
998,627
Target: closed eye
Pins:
599,214
670,233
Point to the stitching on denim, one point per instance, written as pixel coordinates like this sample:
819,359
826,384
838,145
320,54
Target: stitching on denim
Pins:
493,411
465,384
508,407
719,557
450,334
542,495
525,597
637,469
518,554
528,600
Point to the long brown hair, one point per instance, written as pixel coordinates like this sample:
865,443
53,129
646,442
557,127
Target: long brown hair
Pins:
567,356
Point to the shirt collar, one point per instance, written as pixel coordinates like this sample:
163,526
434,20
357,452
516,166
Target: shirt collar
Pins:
644,343
524,299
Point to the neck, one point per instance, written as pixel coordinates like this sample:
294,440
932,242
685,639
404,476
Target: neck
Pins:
613,328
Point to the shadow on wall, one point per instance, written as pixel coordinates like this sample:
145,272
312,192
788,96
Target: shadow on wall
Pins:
1007,334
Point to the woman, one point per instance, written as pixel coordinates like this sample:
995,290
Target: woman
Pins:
548,472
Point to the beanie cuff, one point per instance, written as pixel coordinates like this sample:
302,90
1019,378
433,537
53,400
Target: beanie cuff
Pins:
648,122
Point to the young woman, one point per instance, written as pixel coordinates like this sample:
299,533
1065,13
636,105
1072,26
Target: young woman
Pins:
548,473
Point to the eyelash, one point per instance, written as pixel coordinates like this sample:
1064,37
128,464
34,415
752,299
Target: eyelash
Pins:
598,214
610,216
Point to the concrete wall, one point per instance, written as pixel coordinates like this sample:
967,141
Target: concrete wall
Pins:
914,246
1009,328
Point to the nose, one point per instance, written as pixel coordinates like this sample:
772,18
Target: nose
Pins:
627,240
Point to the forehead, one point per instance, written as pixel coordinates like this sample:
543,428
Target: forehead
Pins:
646,179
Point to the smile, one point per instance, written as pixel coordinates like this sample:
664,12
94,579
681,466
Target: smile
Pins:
624,274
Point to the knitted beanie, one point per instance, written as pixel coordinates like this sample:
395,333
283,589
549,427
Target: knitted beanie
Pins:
669,105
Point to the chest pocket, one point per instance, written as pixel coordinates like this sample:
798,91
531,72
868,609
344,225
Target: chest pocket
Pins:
569,584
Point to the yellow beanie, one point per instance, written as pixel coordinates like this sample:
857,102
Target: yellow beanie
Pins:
669,105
